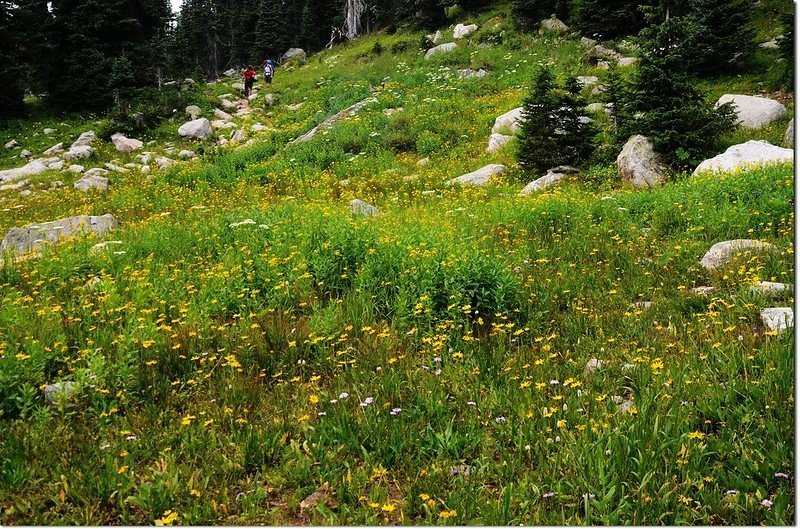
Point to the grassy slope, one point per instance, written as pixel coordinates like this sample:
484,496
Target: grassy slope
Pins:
219,346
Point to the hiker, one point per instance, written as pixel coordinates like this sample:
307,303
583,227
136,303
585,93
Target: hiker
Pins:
249,77
269,71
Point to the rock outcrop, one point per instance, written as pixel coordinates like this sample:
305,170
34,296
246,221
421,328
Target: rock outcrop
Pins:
722,252
294,53
753,153
30,169
196,129
778,319
640,164
496,141
754,112
510,121
32,237
481,177
462,31
359,207
441,48
552,177
88,182
126,145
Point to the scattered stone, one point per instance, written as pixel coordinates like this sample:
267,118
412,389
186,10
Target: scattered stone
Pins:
48,162
25,154
30,169
270,99
359,207
640,164
703,291
230,73
437,37
88,182
778,318
441,48
56,184
49,131
79,152
59,392
642,305
85,139
75,168
25,193
769,45
14,187
164,162
510,121
600,52
471,74
349,111
627,61
497,140
189,81
238,136
318,496
481,177
11,144
552,25
124,144
229,105
32,237
294,53
588,80
57,166
145,169
114,167
186,154
586,41
769,288
221,114
252,97
722,252
222,124
242,112
295,107
625,406
423,162
592,365
258,127
552,177
103,247
788,137
754,112
197,129
462,31
145,157
58,148
749,154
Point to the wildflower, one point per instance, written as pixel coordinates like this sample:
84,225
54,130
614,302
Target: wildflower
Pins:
321,414
314,399
554,382
387,507
168,518
471,403
366,402
781,475
548,494
130,438
122,469
334,401
731,492
186,421
697,435
396,411
500,420
686,500
195,493
343,396
424,497
767,504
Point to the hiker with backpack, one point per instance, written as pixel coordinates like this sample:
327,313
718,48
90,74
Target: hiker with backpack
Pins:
249,75
269,71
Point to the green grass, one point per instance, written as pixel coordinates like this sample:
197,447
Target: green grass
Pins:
210,355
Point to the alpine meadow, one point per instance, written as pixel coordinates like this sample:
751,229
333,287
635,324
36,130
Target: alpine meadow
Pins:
437,262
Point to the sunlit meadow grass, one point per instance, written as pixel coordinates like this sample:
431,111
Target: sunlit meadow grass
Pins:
250,342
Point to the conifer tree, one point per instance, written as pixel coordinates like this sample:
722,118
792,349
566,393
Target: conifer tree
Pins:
529,13
270,31
608,19
11,96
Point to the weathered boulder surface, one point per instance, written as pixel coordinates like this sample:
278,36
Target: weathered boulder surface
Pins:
33,237
723,251
53,393
552,177
468,73
510,121
441,48
31,168
124,144
359,207
778,318
481,177
193,111
754,112
84,139
788,136
78,152
58,148
294,53
640,164
349,111
462,31
196,129
552,25
749,154
88,182
769,288
496,141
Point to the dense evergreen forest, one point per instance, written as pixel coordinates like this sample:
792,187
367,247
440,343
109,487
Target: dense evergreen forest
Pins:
87,54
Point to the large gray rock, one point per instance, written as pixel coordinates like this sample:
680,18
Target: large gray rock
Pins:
441,48
221,114
342,114
88,182
510,121
230,105
199,129
462,31
600,52
33,237
11,144
294,53
788,136
481,177
359,207
496,141
552,25
222,124
78,152
58,148
85,139
54,393
552,177
437,37
722,252
778,318
31,168
754,153
238,136
193,111
754,112
75,168
640,164
124,144
469,73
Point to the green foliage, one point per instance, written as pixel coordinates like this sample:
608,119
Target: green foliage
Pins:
608,19
529,13
552,132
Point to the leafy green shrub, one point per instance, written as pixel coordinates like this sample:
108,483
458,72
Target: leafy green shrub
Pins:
146,108
402,46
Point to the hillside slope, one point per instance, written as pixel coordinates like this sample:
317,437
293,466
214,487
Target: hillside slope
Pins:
248,351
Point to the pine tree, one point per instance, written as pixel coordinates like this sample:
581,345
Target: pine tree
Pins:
608,19
529,13
552,131
674,114
270,31
11,96
721,34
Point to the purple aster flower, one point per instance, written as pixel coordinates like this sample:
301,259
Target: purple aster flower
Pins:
396,411
767,504
548,494
366,402
343,396
781,475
